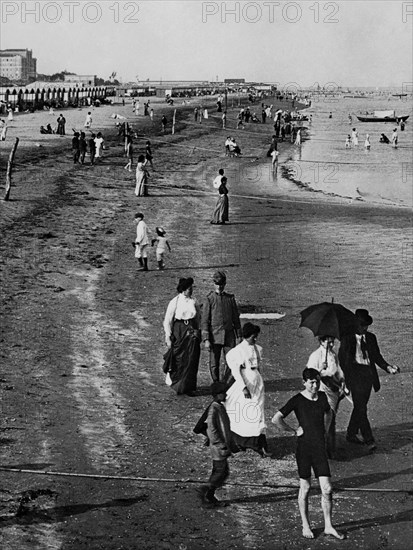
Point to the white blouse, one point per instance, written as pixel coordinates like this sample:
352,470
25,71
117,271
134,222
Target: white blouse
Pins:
181,307
243,355
317,360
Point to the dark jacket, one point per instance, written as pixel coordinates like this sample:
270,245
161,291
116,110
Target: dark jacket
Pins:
75,143
347,358
220,315
219,432
82,145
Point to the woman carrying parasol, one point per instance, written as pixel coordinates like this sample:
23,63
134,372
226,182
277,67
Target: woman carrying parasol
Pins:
324,359
329,321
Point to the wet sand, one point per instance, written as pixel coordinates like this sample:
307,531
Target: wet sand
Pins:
81,383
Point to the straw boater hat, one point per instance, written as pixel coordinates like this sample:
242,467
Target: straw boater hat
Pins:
364,317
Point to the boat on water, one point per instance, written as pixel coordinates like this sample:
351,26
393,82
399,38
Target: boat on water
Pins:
382,116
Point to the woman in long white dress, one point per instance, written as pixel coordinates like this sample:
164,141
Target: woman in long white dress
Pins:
355,137
99,145
245,397
141,189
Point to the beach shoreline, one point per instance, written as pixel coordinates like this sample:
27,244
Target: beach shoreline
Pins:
82,388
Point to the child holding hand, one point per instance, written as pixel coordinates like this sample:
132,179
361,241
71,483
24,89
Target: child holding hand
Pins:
161,245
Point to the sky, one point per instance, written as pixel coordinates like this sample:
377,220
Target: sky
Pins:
340,43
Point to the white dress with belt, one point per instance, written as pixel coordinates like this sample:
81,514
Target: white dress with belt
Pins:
246,415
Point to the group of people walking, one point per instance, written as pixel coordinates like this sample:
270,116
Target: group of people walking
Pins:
235,420
80,146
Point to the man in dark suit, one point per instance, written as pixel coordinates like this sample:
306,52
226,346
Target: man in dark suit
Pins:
220,324
358,355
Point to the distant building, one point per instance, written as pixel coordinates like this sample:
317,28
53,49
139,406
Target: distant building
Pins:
18,65
234,81
85,79
161,88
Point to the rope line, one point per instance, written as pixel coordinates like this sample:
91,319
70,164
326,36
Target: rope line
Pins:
332,162
190,481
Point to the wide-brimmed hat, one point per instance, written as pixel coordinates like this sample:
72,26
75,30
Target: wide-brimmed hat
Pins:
219,277
364,317
160,230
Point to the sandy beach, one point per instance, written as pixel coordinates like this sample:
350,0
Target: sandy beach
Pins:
81,384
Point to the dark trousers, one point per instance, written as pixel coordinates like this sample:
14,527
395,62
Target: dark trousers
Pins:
220,472
215,360
360,383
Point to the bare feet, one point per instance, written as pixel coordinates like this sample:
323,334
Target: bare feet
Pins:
307,533
333,533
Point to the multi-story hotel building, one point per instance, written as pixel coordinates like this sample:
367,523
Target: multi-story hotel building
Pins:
18,65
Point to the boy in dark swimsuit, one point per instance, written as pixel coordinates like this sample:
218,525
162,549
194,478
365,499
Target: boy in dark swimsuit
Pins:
314,416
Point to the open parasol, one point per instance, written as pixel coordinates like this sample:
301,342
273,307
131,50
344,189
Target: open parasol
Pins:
328,319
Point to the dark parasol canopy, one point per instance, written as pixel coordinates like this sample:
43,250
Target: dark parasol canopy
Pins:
328,319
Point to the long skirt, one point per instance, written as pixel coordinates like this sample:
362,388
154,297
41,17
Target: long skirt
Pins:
247,414
141,189
186,351
221,210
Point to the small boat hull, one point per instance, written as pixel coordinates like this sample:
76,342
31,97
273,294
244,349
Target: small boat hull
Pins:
395,119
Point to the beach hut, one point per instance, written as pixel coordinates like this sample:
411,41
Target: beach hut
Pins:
20,98
4,95
13,97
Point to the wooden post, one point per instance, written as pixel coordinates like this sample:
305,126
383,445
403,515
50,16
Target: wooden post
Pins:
9,169
173,121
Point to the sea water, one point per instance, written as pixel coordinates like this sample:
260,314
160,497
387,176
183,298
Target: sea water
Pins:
382,174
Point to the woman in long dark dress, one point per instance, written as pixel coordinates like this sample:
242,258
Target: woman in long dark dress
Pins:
182,337
222,207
